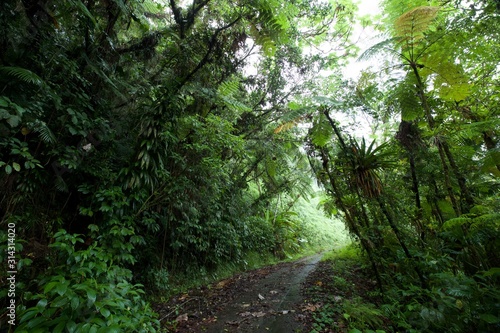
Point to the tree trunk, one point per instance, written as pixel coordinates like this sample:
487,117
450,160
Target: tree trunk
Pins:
447,180
464,191
441,145
396,231
351,221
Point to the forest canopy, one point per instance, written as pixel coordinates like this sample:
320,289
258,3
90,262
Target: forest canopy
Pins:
142,139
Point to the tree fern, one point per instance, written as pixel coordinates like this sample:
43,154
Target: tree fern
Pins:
487,221
411,26
490,162
22,74
151,7
475,129
270,26
235,105
405,99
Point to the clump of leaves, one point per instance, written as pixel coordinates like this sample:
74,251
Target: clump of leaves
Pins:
85,292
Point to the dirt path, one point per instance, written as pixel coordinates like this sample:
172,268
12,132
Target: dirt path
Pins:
266,300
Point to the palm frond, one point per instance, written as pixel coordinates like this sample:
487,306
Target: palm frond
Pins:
82,8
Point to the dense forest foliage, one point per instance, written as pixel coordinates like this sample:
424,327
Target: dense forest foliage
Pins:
142,139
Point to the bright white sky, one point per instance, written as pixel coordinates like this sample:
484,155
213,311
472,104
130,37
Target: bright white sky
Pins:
365,38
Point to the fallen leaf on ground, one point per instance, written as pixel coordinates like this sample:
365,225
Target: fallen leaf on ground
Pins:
182,317
222,284
311,307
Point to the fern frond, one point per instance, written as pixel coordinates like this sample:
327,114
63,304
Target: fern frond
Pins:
383,46
288,125
451,82
270,28
151,7
456,222
412,25
293,117
491,161
235,105
22,74
490,221
228,88
410,105
405,99
60,184
321,132
43,130
475,130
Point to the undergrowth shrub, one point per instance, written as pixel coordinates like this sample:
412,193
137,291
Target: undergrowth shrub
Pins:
454,303
84,291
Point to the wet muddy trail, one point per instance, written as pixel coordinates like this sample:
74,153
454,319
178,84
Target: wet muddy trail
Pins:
264,300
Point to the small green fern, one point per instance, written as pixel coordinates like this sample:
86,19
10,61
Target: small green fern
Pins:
22,74
43,130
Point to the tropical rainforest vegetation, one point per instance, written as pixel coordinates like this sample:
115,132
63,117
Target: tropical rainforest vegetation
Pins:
145,139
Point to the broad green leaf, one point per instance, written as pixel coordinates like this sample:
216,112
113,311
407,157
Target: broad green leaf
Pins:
91,296
41,304
60,327
105,312
59,301
75,302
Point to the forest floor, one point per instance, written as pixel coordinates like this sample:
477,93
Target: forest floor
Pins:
290,297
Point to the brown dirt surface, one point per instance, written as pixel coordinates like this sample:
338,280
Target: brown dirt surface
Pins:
264,300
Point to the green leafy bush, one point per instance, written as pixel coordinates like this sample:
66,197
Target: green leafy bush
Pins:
84,291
